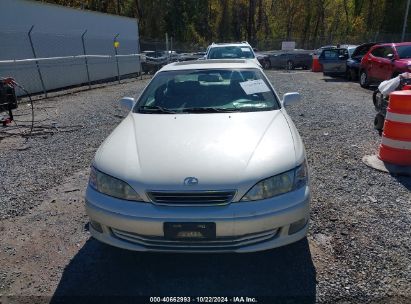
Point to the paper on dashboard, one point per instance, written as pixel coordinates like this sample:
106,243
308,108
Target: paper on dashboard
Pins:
254,86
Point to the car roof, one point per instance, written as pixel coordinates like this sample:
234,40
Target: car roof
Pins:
394,44
402,43
210,64
231,42
243,43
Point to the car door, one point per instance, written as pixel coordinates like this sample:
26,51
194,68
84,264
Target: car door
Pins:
327,57
373,63
278,60
386,65
334,61
282,60
341,65
274,60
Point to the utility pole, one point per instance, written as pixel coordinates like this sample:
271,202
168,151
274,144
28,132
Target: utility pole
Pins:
168,53
404,26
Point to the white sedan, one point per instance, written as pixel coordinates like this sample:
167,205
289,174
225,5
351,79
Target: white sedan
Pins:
207,160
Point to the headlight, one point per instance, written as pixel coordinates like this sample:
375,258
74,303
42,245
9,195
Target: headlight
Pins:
279,184
112,186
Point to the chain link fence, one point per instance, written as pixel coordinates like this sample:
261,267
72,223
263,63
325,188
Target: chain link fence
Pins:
148,44
43,62
311,43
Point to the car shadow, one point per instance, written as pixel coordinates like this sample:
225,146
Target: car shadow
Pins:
404,180
336,79
286,274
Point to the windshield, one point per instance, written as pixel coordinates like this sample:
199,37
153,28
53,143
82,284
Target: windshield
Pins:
207,91
230,52
404,51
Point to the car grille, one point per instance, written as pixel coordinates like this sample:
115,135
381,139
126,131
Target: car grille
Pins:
218,244
191,198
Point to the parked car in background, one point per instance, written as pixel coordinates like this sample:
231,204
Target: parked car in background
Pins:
291,59
385,61
237,50
334,60
231,174
263,59
354,62
189,56
152,61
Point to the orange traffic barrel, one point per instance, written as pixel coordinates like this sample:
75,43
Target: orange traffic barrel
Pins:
395,146
316,66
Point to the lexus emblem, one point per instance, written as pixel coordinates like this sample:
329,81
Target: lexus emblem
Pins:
190,181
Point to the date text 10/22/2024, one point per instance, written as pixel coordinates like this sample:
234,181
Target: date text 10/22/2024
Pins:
203,300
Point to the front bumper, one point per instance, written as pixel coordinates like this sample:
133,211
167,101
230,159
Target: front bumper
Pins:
240,227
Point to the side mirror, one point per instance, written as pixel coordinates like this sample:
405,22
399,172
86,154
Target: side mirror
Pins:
127,103
291,98
390,56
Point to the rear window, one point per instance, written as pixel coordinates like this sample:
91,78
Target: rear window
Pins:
240,90
230,52
404,51
333,53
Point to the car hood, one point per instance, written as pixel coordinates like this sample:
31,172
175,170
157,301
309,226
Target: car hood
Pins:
222,150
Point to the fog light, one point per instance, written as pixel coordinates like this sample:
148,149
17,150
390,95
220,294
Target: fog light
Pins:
96,226
297,226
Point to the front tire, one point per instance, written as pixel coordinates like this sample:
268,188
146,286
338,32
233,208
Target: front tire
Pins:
380,101
364,79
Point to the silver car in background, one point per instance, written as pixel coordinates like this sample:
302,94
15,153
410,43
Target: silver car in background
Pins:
235,50
207,160
291,59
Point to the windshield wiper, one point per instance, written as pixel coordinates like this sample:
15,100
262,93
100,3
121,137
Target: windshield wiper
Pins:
253,109
209,110
156,109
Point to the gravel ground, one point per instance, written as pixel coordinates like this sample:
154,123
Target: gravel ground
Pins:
360,217
358,248
83,120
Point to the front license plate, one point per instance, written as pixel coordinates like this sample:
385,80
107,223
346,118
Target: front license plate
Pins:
189,231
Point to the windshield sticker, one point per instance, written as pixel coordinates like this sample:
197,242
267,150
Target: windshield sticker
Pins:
254,86
245,49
